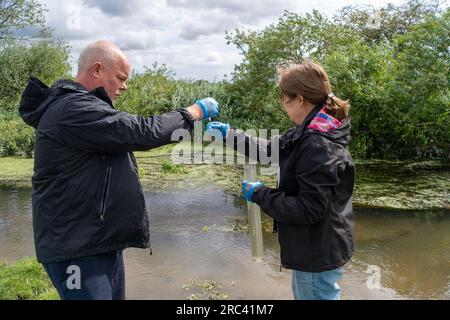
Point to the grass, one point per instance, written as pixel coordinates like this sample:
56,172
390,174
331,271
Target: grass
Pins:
171,168
16,172
25,280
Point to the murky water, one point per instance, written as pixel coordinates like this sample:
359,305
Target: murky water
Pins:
197,235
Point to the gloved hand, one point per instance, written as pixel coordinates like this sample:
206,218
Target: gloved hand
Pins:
222,127
248,188
209,106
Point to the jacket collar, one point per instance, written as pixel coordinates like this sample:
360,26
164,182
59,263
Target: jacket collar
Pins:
100,93
70,85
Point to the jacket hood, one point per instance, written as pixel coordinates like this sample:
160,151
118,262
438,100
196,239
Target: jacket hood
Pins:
339,135
37,97
31,104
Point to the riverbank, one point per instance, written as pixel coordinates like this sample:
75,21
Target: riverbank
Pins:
403,185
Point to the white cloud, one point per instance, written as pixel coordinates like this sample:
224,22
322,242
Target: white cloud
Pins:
205,23
244,11
137,40
188,35
115,8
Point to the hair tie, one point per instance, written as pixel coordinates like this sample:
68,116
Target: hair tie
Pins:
329,102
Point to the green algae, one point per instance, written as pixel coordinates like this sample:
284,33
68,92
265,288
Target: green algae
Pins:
404,185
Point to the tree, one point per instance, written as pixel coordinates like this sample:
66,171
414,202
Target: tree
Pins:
24,52
20,15
254,88
45,59
375,25
396,77
420,86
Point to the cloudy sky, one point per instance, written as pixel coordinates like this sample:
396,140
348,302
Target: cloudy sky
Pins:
188,35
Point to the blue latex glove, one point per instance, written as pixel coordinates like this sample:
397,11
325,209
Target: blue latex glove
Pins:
222,127
248,188
209,106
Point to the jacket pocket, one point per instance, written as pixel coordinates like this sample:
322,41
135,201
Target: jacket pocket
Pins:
105,194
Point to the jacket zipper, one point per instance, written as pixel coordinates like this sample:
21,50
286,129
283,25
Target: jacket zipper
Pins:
105,194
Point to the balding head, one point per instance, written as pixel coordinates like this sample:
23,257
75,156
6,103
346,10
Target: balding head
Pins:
103,51
103,64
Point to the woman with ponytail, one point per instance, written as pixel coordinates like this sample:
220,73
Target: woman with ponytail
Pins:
312,203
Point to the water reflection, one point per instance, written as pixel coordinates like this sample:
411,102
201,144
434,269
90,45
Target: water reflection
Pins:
412,252
193,238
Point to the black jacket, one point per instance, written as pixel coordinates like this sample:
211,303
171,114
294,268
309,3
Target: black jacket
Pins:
87,197
312,205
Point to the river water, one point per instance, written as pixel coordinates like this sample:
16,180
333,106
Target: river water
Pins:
199,240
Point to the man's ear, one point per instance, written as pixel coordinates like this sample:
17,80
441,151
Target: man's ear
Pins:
95,69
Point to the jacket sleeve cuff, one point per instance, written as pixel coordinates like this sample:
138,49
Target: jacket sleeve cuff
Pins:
258,195
187,115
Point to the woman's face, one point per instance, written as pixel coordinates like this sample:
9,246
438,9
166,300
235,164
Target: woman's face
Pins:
297,108
293,107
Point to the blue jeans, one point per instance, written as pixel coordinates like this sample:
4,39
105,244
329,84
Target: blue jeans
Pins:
100,277
316,285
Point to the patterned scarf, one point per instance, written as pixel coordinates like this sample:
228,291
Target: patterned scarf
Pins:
323,122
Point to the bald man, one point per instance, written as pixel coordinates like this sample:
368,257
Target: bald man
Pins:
87,199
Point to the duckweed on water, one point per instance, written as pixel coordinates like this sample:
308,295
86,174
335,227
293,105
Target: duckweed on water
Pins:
238,227
205,290
410,185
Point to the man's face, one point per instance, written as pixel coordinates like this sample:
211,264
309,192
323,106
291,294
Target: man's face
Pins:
113,78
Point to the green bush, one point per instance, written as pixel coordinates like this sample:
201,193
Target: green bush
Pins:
149,93
156,91
25,280
169,167
46,59
16,138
